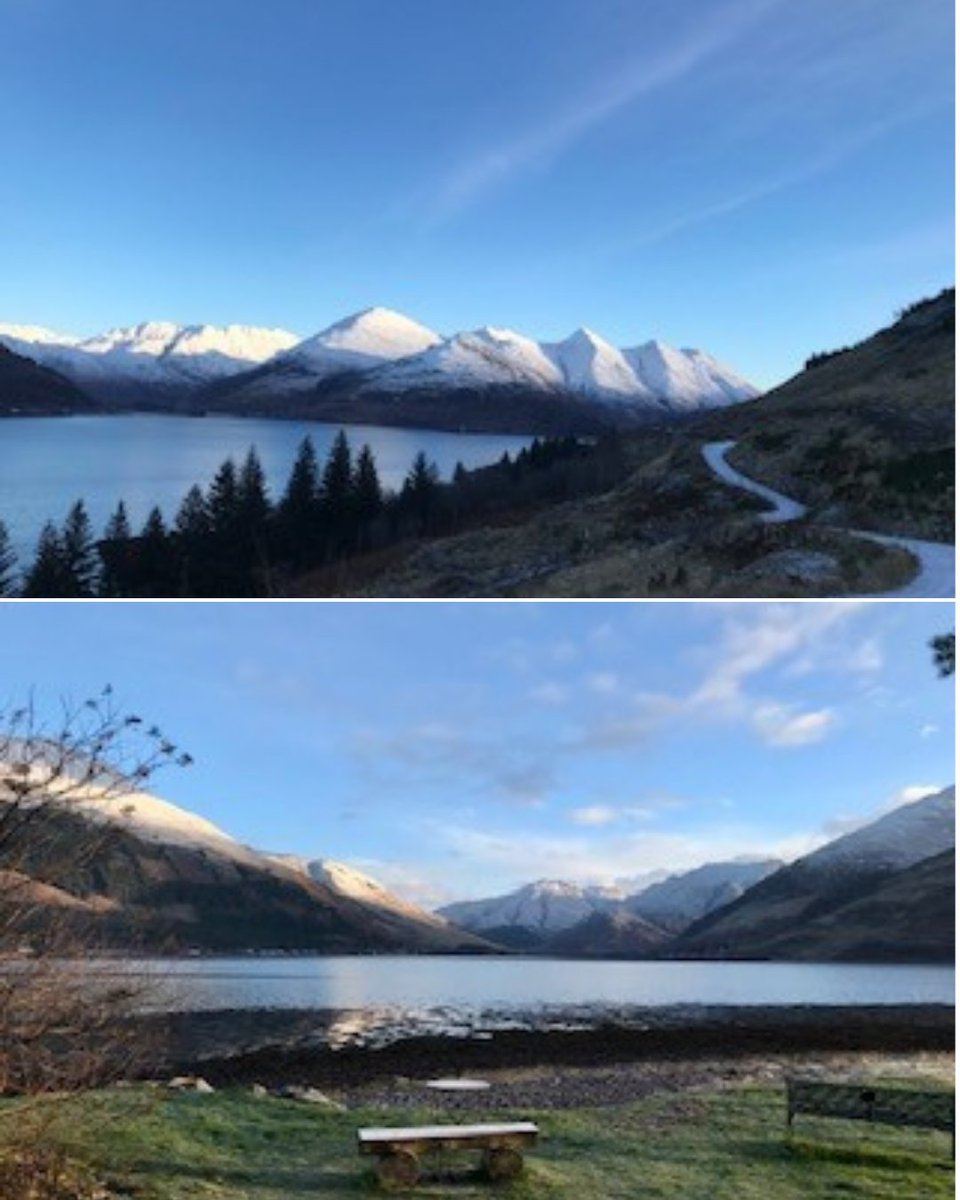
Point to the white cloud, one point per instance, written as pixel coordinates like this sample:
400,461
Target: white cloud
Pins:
913,792
777,725
929,730
595,814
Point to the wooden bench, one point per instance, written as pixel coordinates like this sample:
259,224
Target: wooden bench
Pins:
865,1102
398,1151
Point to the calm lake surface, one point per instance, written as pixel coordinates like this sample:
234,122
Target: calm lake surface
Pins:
47,463
478,984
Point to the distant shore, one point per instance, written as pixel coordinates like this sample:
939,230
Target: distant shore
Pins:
277,1048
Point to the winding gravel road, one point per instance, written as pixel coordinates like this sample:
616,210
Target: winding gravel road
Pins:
936,561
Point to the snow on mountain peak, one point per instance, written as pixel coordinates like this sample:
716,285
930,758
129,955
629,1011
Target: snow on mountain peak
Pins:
590,364
896,840
689,379
244,343
37,334
392,352
349,882
365,339
150,337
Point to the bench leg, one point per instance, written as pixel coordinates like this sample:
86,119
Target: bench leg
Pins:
399,1169
503,1163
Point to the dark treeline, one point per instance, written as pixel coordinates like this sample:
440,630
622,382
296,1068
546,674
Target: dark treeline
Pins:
234,540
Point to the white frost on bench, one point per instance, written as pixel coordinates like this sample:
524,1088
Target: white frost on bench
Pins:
425,1132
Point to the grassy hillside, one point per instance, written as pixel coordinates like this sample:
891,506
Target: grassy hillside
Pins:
864,434
701,1146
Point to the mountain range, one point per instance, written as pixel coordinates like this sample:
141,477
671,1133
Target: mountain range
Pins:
157,877
882,892
163,878
379,364
536,913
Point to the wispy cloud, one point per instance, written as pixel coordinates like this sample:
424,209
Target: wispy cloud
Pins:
545,142
820,164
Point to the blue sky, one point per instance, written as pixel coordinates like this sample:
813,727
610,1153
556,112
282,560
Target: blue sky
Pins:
761,178
458,750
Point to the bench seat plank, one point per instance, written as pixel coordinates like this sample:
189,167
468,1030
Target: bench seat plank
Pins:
465,1137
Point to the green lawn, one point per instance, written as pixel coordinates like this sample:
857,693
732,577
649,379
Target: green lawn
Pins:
718,1146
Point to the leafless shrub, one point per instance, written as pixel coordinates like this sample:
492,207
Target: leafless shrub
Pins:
62,1030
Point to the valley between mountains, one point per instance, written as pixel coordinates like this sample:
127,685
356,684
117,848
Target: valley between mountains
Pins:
165,880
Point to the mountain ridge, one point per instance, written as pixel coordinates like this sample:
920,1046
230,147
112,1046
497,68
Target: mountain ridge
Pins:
382,358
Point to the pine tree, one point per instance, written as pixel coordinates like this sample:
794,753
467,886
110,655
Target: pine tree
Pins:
254,514
48,577
193,535
223,500
421,490
116,555
192,522
298,514
253,498
368,494
80,551
337,497
156,573
8,563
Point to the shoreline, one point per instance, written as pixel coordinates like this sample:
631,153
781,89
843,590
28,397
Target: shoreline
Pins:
276,1048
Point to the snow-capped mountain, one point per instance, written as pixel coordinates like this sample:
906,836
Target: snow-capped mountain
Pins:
896,840
396,358
670,903
841,900
486,358
347,881
153,354
688,379
544,907
590,365
357,344
170,875
380,357
681,899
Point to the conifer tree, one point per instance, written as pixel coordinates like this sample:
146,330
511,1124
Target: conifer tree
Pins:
421,490
80,551
155,559
223,500
116,557
298,515
8,563
337,497
252,497
193,533
47,576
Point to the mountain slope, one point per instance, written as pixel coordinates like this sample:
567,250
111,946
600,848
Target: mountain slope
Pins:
149,360
27,388
156,876
616,934
682,899
784,914
864,435
908,916
540,908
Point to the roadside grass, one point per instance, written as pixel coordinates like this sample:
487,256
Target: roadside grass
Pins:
714,1146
